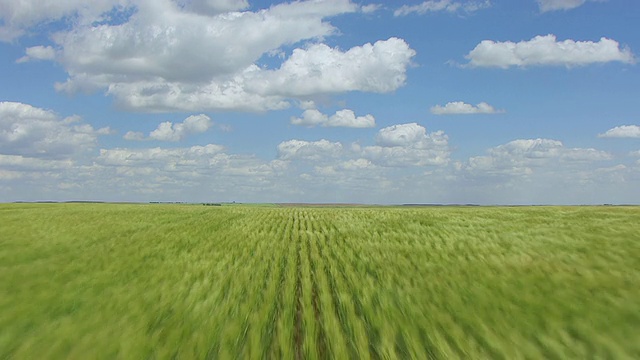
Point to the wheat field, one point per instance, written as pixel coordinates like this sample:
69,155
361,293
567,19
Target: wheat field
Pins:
138,281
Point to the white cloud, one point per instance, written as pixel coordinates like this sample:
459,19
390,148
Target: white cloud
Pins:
207,173
141,62
18,16
159,95
546,50
408,145
213,7
459,107
319,69
554,5
588,154
370,8
306,104
167,131
194,124
38,53
544,149
158,38
19,162
33,132
342,118
409,156
624,131
406,164
140,58
403,145
347,118
442,5
522,156
308,150
134,136
401,135
349,170
356,164
310,117
166,157
539,171
7,175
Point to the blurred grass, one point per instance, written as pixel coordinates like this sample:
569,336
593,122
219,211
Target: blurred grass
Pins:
161,281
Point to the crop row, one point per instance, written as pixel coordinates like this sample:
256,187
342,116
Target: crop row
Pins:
105,281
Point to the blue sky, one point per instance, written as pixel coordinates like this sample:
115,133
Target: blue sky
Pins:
441,101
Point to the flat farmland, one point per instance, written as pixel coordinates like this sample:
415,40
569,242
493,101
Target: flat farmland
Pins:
105,281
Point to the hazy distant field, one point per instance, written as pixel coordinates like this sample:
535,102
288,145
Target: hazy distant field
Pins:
160,281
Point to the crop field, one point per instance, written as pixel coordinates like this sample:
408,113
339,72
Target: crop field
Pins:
107,281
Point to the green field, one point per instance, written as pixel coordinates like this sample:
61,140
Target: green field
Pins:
106,281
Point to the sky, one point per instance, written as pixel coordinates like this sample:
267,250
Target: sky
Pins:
324,101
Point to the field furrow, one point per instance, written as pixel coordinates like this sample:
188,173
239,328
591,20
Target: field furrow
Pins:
320,334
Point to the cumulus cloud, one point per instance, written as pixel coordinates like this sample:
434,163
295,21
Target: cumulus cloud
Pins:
370,8
8,175
356,164
201,55
147,54
624,131
347,171
22,163
442,5
171,157
38,53
347,118
555,5
213,7
18,16
310,117
342,118
168,131
316,70
459,107
306,104
401,135
308,150
33,132
522,156
171,170
403,145
158,38
546,148
408,145
161,96
320,69
547,51
134,136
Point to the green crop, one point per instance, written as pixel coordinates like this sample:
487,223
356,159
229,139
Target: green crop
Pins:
111,281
